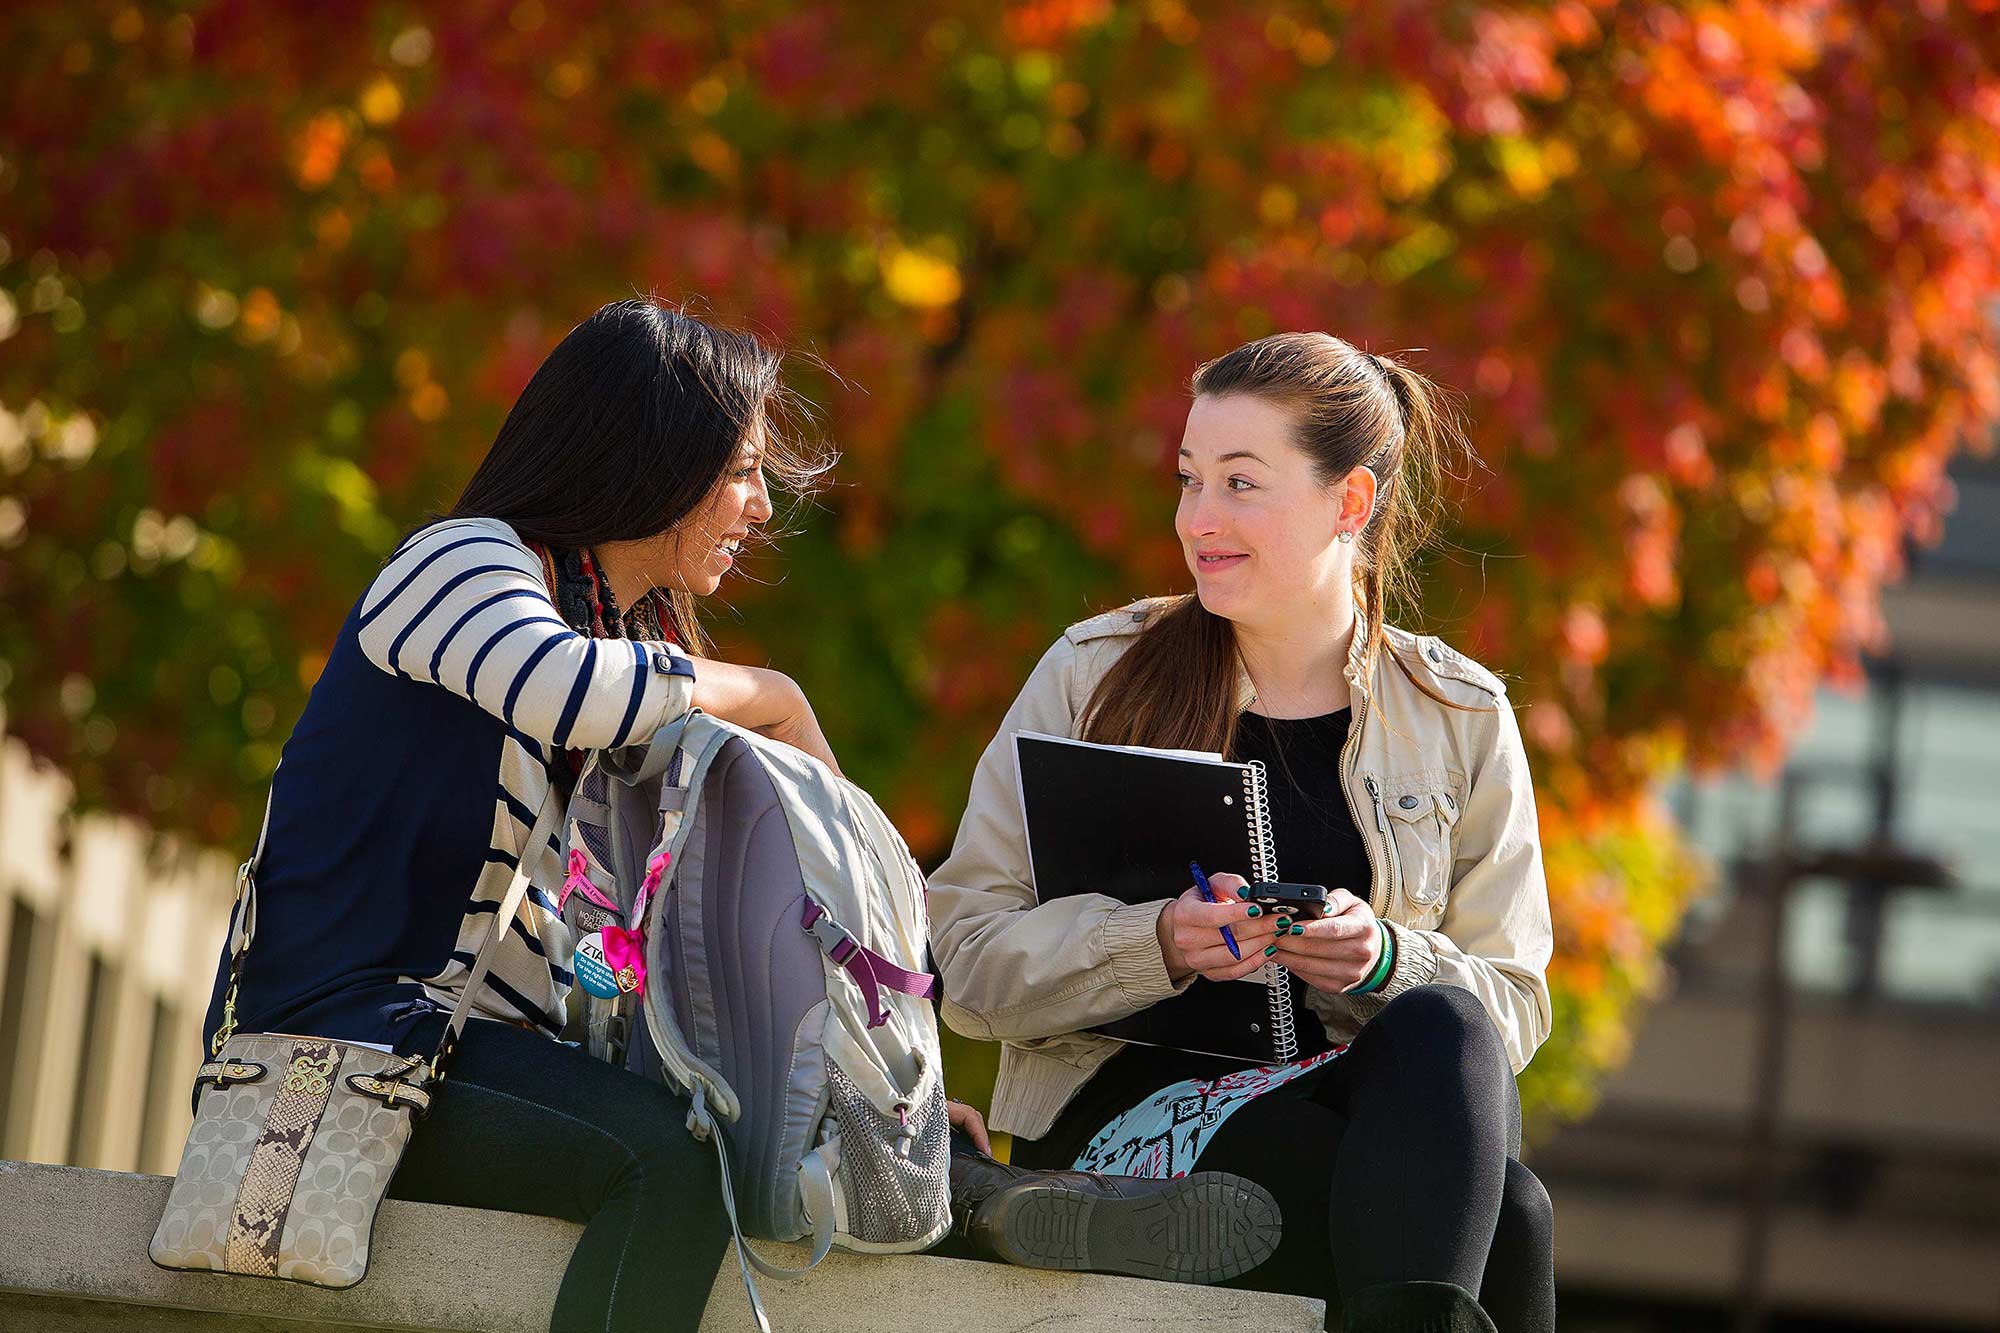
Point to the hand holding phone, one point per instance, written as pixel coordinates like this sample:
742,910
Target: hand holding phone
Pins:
1191,932
1340,951
1302,902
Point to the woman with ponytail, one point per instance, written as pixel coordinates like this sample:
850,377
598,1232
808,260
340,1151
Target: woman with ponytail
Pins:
1308,478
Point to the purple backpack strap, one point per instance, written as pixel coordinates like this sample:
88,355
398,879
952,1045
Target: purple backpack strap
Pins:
870,970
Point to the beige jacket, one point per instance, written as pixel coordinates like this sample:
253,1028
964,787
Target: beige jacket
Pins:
1441,796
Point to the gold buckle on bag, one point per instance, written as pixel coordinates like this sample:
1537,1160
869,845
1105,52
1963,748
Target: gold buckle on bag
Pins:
228,1028
446,1046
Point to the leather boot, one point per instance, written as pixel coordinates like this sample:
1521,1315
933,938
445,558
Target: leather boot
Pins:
1414,1307
1200,1228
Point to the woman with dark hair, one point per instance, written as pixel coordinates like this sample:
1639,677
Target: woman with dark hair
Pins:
550,612
1397,779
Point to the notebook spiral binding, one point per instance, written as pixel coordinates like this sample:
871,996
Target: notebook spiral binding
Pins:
1277,981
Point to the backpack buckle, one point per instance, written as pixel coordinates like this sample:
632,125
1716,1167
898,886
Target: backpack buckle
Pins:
836,943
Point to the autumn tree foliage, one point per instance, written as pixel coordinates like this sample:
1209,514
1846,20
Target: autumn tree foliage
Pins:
1714,279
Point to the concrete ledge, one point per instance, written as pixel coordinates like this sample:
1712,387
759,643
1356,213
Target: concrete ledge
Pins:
73,1260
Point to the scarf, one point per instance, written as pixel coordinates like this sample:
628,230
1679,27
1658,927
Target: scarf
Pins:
583,599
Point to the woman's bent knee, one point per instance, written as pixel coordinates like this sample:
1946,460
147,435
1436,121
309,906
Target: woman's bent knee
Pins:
1441,1017
665,1162
1527,1215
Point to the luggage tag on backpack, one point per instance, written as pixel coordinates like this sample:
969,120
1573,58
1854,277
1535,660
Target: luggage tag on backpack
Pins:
593,971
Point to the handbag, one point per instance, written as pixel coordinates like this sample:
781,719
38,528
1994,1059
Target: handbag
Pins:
295,1138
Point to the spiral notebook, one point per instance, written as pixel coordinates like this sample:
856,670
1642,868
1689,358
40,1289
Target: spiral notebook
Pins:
1125,820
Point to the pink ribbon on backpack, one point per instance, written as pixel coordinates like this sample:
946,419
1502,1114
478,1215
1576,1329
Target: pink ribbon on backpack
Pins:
625,955
579,882
625,950
654,870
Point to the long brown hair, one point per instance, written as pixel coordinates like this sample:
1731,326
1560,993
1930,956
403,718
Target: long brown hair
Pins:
1176,685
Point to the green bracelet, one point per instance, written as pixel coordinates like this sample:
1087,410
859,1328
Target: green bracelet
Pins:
1380,976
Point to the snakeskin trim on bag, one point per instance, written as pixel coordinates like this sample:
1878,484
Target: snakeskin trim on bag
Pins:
266,1193
389,1091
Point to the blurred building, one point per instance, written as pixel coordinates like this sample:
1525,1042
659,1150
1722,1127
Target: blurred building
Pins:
1808,1134
108,941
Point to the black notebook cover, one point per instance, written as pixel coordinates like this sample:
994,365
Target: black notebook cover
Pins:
1126,821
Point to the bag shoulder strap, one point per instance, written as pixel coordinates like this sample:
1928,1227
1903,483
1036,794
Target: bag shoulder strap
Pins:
243,918
243,924
517,889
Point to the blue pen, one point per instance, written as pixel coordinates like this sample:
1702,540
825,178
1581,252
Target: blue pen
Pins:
1208,896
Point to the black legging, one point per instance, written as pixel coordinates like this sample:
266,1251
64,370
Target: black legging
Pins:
529,1125
1393,1162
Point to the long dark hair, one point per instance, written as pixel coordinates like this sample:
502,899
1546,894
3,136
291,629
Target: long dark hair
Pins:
1176,685
629,424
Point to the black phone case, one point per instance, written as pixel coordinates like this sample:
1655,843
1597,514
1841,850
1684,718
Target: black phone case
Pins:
1288,900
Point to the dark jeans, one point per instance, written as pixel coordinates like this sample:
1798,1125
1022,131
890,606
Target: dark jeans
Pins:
528,1125
1393,1163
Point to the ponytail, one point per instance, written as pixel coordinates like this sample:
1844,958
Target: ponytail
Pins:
1430,447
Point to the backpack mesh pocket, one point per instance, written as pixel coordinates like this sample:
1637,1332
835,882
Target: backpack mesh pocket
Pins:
892,1198
595,788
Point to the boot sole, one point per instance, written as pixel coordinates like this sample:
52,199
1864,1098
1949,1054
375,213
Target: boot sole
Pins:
1202,1228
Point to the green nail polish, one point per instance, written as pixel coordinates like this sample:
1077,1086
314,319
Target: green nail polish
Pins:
1298,928
1256,911
1270,950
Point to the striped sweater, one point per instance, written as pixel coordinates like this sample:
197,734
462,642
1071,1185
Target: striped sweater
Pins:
405,792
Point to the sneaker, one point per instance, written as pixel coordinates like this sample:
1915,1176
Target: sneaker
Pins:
1204,1228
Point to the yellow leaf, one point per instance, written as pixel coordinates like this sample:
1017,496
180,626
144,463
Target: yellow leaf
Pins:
381,102
924,281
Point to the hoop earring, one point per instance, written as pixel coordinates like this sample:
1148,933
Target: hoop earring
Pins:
1346,535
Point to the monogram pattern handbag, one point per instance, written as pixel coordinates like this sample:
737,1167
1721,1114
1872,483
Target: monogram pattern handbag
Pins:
295,1138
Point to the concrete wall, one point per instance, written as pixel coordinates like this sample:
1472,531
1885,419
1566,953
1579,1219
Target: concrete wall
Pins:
73,1260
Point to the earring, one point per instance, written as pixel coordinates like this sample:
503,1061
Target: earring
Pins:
1346,535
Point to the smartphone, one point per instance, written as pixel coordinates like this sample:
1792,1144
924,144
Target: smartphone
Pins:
1304,901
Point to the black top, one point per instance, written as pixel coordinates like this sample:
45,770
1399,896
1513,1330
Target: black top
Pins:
1317,844
1314,829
